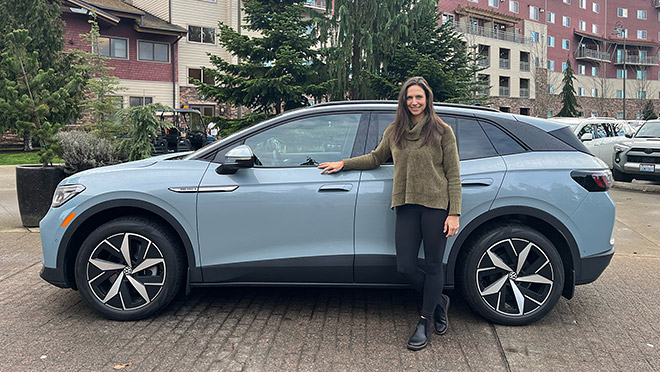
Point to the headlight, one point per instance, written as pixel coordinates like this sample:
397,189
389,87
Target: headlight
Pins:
620,148
64,193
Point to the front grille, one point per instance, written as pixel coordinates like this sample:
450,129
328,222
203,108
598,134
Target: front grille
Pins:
641,149
643,159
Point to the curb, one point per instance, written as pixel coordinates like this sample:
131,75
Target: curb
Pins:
636,187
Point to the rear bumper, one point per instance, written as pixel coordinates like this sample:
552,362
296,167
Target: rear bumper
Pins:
592,266
53,276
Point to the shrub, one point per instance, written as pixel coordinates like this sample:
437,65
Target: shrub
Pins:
84,150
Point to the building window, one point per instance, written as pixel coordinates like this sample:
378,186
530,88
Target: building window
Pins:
620,74
150,51
582,69
551,89
513,6
551,41
583,4
582,25
473,1
494,3
641,74
551,17
622,12
567,1
641,14
563,66
594,92
198,74
619,93
641,34
550,113
447,18
535,36
566,21
619,115
533,13
199,34
551,65
113,47
594,114
565,44
580,91
140,101
594,71
595,29
596,7
641,94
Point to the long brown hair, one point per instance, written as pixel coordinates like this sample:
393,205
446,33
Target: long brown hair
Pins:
403,118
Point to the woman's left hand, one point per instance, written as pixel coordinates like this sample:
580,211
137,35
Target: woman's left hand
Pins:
451,225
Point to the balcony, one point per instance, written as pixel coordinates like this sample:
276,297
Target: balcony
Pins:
593,55
494,34
318,5
636,60
505,63
504,91
524,66
524,92
656,3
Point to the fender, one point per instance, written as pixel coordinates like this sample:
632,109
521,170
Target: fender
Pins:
524,211
194,273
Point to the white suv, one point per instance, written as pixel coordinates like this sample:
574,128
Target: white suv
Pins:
599,135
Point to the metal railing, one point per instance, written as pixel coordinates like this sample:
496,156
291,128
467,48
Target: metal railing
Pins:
505,63
316,4
493,34
636,60
504,91
524,66
524,92
593,54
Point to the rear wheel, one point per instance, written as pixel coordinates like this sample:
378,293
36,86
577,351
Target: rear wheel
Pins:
129,268
512,275
620,176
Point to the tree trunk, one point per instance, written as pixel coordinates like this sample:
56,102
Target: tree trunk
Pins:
27,141
355,61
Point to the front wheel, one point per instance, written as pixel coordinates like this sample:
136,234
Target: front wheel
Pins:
512,275
129,268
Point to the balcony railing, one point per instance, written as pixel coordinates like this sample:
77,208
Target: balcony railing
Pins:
316,4
524,66
636,60
504,91
524,92
494,34
505,63
587,53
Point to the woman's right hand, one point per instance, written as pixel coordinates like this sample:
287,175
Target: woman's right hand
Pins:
331,166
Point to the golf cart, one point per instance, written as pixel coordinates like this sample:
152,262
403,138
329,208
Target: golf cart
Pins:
187,133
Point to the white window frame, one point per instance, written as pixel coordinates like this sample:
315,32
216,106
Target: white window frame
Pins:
563,66
153,42
582,69
641,75
619,93
551,17
551,41
642,14
595,29
622,12
494,3
594,71
594,92
551,88
565,44
580,91
128,46
551,66
642,34
641,94
567,1
534,13
142,100
201,74
514,6
582,25
595,7
582,4
202,28
566,21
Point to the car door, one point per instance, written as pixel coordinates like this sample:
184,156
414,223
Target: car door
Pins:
282,220
482,172
615,132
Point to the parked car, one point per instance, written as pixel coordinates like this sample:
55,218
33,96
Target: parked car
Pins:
639,157
254,209
599,135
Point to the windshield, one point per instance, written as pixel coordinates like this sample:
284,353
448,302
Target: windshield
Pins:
649,130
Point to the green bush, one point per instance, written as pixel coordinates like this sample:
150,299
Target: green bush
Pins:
85,150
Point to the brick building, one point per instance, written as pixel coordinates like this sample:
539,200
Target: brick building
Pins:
526,45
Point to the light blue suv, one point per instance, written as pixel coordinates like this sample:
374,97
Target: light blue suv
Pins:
253,209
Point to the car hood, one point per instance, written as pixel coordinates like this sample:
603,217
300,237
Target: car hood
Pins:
653,143
144,163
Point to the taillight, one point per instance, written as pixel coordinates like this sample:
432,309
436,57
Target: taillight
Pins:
593,180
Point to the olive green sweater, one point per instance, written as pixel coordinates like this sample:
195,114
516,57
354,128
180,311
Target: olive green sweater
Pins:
427,175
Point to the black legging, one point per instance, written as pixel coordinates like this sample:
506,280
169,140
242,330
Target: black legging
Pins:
415,223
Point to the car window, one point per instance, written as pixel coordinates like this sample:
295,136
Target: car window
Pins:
472,140
649,130
503,143
599,131
306,142
585,129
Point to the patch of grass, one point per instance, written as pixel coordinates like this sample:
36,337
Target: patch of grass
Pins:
18,158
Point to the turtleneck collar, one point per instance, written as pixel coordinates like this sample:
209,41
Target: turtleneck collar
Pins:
414,133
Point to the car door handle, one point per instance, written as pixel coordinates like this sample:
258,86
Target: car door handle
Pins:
477,182
336,187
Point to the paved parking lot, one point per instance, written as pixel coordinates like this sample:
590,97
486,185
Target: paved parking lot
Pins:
610,325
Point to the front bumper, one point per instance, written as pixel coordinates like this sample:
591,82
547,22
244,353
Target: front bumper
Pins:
592,266
53,276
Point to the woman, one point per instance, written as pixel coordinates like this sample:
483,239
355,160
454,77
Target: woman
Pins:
426,194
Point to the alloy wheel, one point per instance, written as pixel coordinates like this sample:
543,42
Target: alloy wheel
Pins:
515,277
126,271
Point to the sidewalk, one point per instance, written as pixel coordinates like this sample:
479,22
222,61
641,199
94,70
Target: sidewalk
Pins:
10,219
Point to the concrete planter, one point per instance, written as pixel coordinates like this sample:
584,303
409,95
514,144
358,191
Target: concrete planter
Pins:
35,186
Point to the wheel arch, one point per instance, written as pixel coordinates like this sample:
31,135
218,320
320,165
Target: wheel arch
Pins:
107,211
541,221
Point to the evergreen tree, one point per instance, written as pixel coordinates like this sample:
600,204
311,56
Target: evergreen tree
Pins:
278,70
568,99
648,112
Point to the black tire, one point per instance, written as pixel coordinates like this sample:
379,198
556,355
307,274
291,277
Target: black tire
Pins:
620,176
151,280
488,286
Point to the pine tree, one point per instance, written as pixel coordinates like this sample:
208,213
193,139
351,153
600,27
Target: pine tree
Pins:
568,99
278,70
648,112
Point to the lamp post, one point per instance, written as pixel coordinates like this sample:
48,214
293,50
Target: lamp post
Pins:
620,31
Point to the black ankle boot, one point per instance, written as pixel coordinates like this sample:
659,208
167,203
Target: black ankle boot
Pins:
420,338
440,318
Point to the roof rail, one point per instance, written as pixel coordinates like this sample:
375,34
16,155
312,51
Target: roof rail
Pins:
440,104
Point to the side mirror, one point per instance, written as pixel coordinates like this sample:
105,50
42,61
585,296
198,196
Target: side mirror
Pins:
238,157
629,135
587,137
